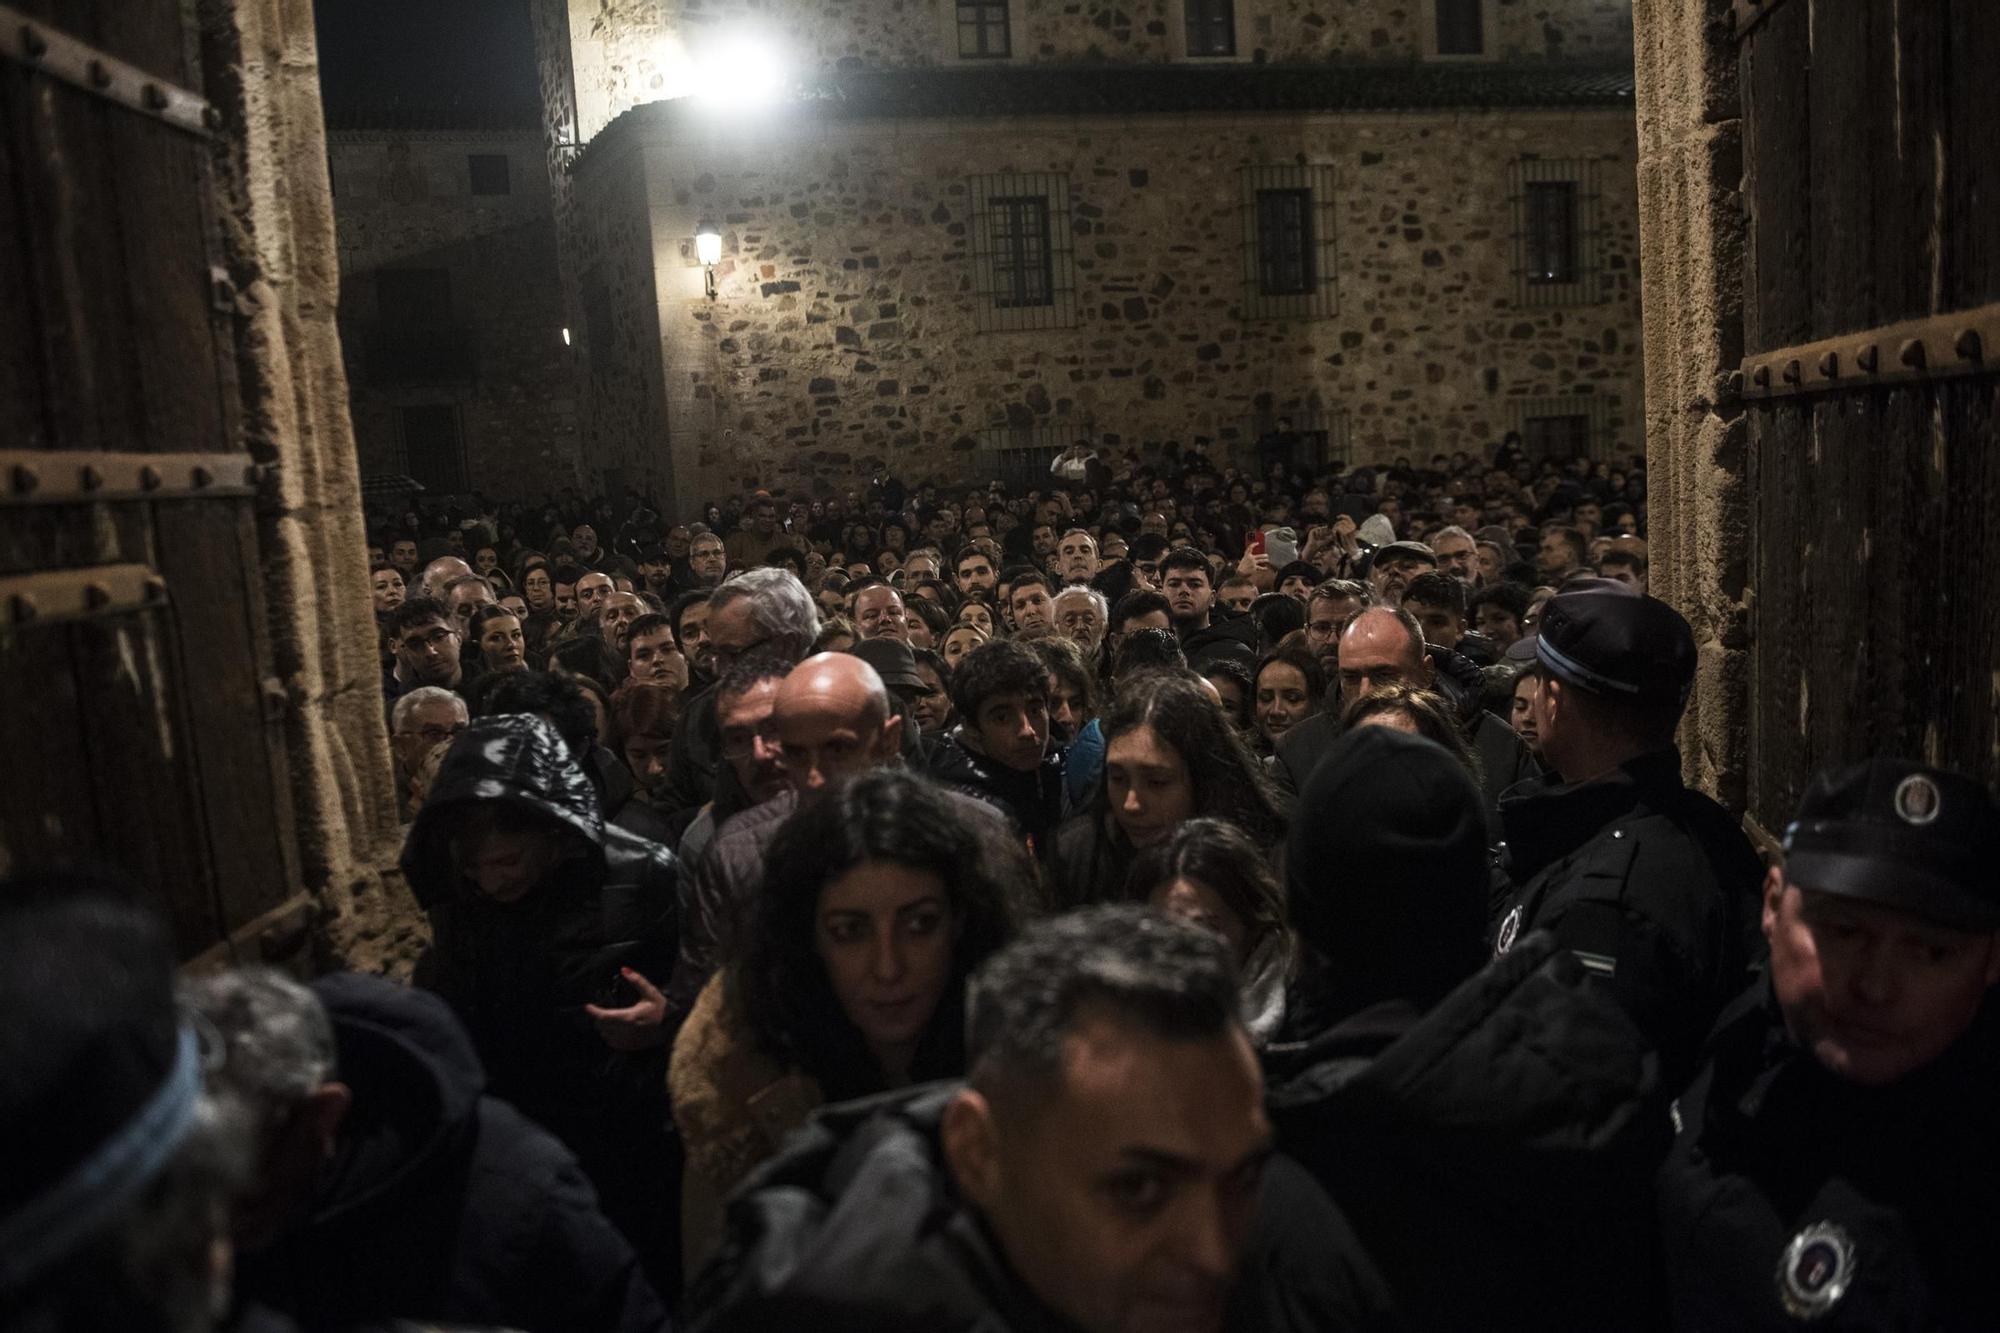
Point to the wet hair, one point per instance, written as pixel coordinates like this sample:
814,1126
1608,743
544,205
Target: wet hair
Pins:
1217,855
645,709
1226,780
996,667
1277,614
1186,557
779,983
1165,977
1435,589
1509,597
748,672
416,612
1138,602
1430,711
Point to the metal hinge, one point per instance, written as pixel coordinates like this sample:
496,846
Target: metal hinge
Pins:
1936,347
61,56
59,595
48,477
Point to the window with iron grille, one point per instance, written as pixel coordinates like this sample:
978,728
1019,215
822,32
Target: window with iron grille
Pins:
1461,28
1574,426
1020,458
1023,252
433,450
489,173
1211,27
1288,242
1556,238
983,32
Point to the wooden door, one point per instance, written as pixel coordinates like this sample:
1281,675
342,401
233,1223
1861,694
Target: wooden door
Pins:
1871,137
140,715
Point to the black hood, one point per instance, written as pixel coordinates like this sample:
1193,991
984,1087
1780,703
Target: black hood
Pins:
1459,679
416,1085
517,759
1388,870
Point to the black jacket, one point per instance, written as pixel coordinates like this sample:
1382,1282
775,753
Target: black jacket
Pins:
1033,800
696,753
856,1228
441,1202
1495,1156
1653,886
519,974
1222,636
1092,860
1773,1147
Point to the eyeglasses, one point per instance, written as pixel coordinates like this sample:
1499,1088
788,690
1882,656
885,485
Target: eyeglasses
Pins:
726,657
741,744
437,735
434,642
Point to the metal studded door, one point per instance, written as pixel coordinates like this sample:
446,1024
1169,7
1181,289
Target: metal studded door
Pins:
136,725
1871,140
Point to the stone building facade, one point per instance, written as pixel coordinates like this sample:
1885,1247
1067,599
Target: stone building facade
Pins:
952,266
451,311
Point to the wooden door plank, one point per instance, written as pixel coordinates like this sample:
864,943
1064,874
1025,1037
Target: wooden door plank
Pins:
1972,170
1777,138
1851,104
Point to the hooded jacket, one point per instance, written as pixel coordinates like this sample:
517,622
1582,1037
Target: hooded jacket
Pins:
518,974
1033,800
857,1227
441,1202
1495,1155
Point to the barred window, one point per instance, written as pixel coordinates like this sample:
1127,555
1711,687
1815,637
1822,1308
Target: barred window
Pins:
1288,242
1023,252
1556,235
1211,27
983,32
1022,268
1557,429
1461,28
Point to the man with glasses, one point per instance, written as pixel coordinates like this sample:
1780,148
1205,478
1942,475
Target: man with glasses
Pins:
426,642
422,720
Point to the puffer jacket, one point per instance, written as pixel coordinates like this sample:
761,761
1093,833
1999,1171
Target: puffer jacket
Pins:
1033,800
1495,1155
518,974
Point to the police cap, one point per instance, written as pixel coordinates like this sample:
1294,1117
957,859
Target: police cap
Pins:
1897,833
1617,645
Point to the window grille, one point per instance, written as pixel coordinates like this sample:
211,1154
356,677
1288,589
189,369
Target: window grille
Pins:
1288,243
1556,231
1572,426
433,448
1461,28
1211,27
983,31
1020,458
1023,253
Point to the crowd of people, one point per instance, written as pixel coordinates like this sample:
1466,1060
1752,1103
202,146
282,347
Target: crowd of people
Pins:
1164,897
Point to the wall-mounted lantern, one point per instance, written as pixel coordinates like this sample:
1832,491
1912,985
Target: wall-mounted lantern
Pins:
708,249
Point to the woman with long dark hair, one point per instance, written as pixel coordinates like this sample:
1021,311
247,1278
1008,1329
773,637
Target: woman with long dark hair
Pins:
1170,755
879,899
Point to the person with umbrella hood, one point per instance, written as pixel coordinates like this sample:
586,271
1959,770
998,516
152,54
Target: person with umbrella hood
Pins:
551,934
1492,1134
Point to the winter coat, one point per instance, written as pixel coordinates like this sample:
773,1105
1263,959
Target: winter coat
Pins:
1653,886
1093,857
1222,637
440,1202
519,974
734,1104
1790,1189
857,1227
1495,1155
720,885
1032,800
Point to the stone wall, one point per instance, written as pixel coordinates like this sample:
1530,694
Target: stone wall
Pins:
627,52
403,199
1690,166
845,332
279,227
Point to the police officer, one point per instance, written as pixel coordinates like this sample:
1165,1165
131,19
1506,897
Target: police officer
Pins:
1651,885
1839,1162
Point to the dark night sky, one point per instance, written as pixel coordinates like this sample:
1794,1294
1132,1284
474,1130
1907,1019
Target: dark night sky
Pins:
433,54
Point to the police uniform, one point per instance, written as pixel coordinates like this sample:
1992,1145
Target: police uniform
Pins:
1651,885
1794,1198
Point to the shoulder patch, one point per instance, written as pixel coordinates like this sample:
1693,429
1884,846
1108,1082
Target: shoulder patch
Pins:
1815,1271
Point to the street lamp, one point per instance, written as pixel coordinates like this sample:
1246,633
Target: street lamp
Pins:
708,249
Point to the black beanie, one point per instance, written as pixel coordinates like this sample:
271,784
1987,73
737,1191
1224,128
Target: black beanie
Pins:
1388,869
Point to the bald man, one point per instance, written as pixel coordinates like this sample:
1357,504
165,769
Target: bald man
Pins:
439,573
834,720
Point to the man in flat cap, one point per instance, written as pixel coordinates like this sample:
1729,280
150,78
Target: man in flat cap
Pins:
1651,885
1839,1162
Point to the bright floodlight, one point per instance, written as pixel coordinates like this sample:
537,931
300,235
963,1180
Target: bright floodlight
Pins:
708,243
739,71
